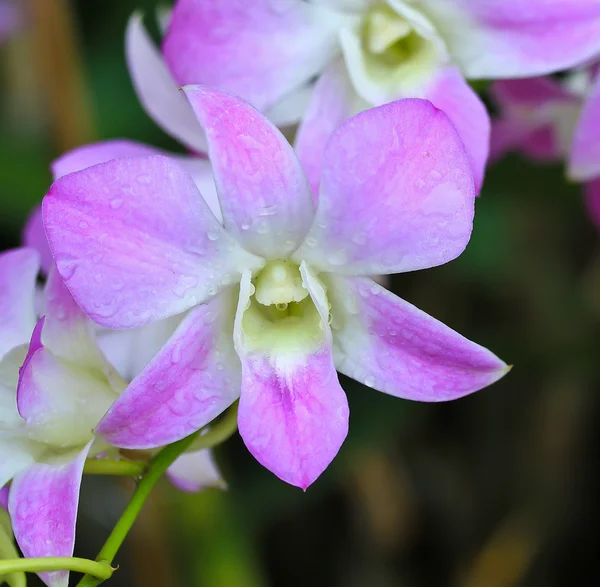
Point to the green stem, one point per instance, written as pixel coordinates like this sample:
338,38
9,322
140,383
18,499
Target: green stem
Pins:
217,434
109,467
100,569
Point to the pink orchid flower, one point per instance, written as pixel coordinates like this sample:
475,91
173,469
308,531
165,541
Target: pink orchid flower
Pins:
278,291
366,52
553,120
63,389
53,394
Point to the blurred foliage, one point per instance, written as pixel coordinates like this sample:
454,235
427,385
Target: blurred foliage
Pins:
496,490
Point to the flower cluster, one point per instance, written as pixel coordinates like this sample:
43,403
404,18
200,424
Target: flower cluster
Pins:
250,270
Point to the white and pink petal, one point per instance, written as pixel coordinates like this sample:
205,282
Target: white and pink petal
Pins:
499,39
293,414
157,89
264,195
194,378
195,471
260,51
43,504
18,273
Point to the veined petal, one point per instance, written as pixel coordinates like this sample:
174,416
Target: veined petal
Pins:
452,94
156,88
264,194
195,471
293,414
18,272
494,39
332,103
584,163
34,237
402,170
390,345
102,151
43,504
259,50
194,378
135,242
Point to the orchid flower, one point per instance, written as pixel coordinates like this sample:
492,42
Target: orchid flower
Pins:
554,120
63,389
366,52
278,291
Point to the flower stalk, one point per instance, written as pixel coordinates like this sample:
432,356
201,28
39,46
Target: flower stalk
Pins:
220,432
98,569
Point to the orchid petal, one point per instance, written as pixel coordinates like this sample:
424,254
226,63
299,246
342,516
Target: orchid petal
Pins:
290,109
452,94
396,348
538,118
131,350
293,414
494,39
194,378
16,455
260,50
68,332
584,162
34,237
102,151
156,88
18,272
508,134
59,401
134,241
264,195
43,504
195,471
332,103
397,193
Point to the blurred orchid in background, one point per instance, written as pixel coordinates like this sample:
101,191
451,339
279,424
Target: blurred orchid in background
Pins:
136,243
554,120
366,52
